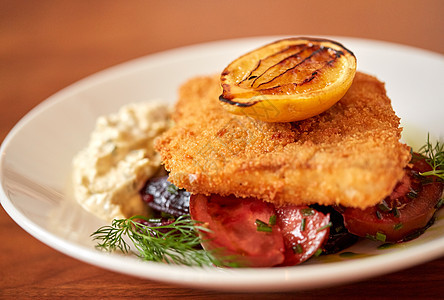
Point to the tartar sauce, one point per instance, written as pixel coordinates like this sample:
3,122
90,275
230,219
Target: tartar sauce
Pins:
119,158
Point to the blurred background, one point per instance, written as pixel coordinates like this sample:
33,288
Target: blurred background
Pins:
47,45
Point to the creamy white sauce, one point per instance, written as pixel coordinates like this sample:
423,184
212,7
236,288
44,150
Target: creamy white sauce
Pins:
119,158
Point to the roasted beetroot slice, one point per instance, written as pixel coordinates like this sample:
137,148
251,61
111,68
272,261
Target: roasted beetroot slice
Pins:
164,197
339,238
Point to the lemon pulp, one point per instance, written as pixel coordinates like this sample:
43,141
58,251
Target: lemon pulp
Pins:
288,80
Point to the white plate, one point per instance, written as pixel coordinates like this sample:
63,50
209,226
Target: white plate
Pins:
36,161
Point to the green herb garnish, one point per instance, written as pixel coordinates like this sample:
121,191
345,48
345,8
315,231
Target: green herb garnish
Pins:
167,215
378,215
395,212
434,157
318,252
272,220
383,206
174,243
412,194
172,189
440,203
380,237
306,212
329,224
262,226
398,226
297,249
303,223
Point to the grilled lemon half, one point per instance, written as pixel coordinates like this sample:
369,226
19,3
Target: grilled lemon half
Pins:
288,80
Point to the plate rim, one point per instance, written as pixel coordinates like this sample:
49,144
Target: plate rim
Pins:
89,255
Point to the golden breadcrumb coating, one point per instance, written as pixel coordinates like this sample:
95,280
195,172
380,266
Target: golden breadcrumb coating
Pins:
349,155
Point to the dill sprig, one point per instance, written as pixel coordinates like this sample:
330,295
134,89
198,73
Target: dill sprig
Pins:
174,243
434,157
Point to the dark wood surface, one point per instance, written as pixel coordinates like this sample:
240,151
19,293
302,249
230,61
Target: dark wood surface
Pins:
47,45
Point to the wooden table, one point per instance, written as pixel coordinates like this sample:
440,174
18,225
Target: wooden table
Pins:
47,45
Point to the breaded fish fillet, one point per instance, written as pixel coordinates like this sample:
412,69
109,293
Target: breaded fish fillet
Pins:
349,155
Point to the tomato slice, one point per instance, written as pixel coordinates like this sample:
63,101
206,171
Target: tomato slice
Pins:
305,230
235,232
407,211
